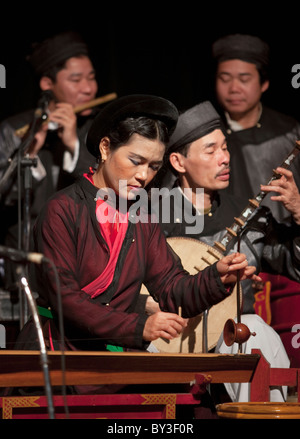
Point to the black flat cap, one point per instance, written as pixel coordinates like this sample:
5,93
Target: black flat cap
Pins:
55,50
247,48
150,106
193,124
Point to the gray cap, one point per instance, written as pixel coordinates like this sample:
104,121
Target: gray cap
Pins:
193,124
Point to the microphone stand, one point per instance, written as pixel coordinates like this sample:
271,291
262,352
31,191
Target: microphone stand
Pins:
43,352
19,161
26,163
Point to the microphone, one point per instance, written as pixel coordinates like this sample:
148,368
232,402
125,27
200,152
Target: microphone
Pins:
20,256
45,97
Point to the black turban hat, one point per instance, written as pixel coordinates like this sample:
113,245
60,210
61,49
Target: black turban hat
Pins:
247,48
56,50
193,124
150,106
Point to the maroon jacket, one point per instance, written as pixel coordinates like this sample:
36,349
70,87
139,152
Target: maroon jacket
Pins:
67,232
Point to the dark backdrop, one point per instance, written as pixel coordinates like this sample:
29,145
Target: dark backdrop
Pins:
150,47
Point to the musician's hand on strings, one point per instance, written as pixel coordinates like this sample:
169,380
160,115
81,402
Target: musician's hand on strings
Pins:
66,119
230,265
163,324
287,192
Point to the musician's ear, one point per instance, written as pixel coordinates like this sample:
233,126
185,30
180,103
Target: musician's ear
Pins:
177,161
46,83
104,148
265,86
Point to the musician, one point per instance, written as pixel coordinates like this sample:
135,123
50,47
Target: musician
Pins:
199,158
62,66
258,137
104,247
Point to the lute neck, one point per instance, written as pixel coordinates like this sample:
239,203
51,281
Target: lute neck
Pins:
241,220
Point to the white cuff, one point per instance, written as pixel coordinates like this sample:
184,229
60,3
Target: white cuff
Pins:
38,171
70,160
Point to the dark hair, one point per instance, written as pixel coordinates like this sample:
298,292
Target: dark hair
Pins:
150,128
50,55
183,149
52,71
164,175
262,69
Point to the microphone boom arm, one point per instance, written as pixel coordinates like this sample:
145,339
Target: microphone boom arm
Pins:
43,351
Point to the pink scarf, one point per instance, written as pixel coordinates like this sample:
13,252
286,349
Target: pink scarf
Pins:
113,231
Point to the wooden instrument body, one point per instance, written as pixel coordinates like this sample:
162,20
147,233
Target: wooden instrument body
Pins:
23,368
195,256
